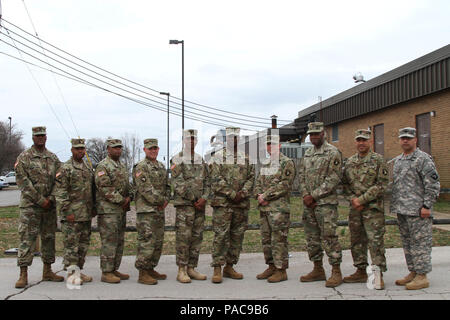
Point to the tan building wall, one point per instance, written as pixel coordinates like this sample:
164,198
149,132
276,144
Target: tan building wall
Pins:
400,116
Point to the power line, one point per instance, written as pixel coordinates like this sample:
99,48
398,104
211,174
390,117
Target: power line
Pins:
143,86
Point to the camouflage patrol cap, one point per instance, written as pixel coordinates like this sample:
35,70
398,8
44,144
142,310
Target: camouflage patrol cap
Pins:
78,143
113,143
232,131
315,127
148,143
190,133
275,139
407,132
363,133
38,130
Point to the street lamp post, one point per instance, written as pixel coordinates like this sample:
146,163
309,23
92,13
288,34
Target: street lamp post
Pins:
182,78
168,95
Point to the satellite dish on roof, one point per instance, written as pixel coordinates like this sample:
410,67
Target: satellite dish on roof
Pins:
358,77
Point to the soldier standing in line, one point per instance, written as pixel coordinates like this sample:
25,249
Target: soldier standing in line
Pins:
191,188
320,174
273,190
365,178
232,179
35,173
415,189
113,199
74,194
152,194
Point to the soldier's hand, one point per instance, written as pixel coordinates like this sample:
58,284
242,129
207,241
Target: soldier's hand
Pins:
238,197
314,204
93,213
126,204
360,208
47,204
308,200
261,200
356,203
200,204
70,218
425,213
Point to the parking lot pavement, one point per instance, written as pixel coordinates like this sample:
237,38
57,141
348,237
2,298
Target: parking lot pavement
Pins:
9,197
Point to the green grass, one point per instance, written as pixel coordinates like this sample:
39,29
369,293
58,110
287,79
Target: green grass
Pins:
442,206
9,237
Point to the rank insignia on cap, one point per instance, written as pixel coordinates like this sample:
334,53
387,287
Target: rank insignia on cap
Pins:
287,173
385,172
336,162
100,173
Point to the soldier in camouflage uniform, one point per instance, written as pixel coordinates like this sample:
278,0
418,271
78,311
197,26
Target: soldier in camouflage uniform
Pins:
273,190
365,178
232,179
74,194
191,187
35,173
113,199
320,173
152,194
415,189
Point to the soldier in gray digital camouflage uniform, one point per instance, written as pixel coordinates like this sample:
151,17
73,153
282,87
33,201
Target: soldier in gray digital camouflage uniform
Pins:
35,173
74,194
190,183
113,199
320,173
415,189
365,178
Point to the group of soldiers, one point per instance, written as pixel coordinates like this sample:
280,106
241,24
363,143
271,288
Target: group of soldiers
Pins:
76,193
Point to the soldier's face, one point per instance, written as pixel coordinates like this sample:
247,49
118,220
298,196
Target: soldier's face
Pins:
362,145
39,140
316,138
151,153
408,144
78,153
115,152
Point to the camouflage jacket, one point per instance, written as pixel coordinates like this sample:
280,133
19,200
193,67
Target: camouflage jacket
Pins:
113,186
320,173
230,174
416,183
35,174
275,184
74,190
150,185
189,179
366,179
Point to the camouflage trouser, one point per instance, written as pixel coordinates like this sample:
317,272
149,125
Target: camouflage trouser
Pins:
229,226
112,234
417,238
76,242
320,230
189,235
150,229
367,230
274,238
34,221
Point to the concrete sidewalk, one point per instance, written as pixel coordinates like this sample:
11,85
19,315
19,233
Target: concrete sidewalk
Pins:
249,288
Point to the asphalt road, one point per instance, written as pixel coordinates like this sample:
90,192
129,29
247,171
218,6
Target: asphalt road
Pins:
9,197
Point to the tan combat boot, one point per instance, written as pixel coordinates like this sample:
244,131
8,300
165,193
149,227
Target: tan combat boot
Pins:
158,276
49,275
109,277
193,274
336,277
317,274
217,276
267,273
182,275
122,276
85,278
278,275
419,282
406,279
146,278
229,272
360,276
23,278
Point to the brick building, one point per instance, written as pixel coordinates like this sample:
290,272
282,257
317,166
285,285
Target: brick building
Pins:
416,94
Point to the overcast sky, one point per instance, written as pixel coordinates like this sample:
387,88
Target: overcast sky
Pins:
257,58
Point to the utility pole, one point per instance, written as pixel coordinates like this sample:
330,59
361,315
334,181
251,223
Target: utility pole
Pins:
9,129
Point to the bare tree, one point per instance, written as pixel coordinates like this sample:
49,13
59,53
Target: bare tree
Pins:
96,150
11,146
132,147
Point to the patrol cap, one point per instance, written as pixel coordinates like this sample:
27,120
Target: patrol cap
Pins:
232,131
275,139
78,143
190,133
113,143
315,127
148,143
407,132
39,130
363,133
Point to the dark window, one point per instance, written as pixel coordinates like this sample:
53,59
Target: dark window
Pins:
335,133
378,138
423,125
